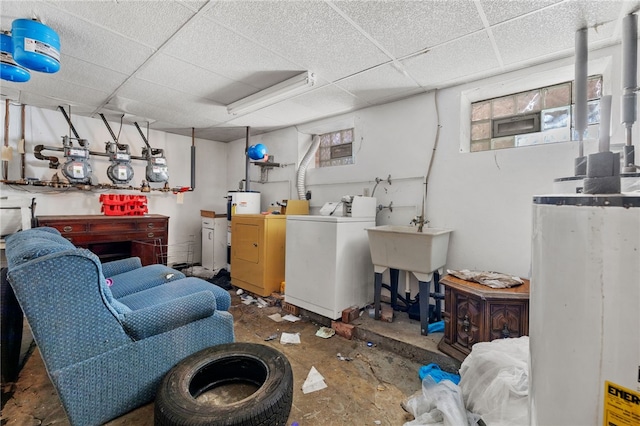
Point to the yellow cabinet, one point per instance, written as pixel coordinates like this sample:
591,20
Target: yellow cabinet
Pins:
257,252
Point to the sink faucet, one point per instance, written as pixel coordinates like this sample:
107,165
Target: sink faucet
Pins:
418,220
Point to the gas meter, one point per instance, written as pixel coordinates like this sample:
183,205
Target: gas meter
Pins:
157,170
120,170
77,168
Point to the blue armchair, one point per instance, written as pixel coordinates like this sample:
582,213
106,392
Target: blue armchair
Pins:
107,343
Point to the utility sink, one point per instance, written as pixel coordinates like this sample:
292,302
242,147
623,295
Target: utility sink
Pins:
404,248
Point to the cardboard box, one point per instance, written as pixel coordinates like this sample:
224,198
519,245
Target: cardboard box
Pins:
295,207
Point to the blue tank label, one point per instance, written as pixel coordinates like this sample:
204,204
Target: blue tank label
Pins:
37,46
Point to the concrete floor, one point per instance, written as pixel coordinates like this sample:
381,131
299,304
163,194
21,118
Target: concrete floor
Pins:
369,389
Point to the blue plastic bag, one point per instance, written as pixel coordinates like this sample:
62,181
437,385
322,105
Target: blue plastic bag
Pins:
436,327
433,370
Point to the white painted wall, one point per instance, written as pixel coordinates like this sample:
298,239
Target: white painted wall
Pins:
485,197
47,127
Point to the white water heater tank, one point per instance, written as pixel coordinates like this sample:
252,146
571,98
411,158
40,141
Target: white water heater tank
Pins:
585,310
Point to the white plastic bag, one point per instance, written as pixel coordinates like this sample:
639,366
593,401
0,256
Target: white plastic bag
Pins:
438,404
495,381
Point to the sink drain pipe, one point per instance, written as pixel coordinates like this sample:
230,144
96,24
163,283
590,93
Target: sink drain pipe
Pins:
433,154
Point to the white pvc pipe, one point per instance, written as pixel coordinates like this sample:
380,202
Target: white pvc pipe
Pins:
605,123
629,68
581,85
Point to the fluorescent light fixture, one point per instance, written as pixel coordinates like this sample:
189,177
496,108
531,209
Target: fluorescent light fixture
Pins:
273,94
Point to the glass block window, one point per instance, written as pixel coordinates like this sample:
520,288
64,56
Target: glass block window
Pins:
336,149
538,116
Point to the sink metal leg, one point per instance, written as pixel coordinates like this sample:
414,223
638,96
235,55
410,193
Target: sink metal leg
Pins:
424,287
377,293
437,296
393,274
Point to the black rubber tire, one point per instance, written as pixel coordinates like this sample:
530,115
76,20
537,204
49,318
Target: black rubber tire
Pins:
261,365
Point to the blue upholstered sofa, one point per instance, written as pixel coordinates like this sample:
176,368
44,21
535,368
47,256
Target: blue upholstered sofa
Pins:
108,333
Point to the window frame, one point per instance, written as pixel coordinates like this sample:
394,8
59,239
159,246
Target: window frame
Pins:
335,157
507,111
522,80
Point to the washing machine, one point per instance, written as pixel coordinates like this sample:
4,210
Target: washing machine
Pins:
328,263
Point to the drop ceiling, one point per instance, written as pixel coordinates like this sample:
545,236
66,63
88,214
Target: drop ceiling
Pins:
177,64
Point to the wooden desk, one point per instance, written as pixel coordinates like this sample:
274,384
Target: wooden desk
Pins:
478,313
115,237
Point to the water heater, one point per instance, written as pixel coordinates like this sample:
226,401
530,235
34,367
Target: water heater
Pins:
585,310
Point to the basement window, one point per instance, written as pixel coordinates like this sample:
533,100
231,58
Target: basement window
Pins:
336,148
539,116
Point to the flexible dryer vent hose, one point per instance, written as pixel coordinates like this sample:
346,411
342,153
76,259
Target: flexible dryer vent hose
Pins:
302,169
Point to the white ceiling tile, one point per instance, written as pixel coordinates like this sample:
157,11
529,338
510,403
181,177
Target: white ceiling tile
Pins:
498,11
553,29
155,94
62,92
188,78
194,5
148,22
210,46
255,119
404,27
88,75
308,33
173,114
138,94
447,63
328,100
220,134
379,83
23,9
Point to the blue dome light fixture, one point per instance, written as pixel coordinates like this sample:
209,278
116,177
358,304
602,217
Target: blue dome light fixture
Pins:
258,152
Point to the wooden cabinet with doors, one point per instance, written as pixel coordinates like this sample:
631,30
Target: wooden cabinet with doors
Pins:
115,237
258,252
478,313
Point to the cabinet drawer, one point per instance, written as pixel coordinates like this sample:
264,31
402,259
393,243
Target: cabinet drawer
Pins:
152,225
151,234
115,226
66,227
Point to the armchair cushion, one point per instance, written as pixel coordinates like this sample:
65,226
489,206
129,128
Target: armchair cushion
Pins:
120,266
174,289
166,316
37,246
143,278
